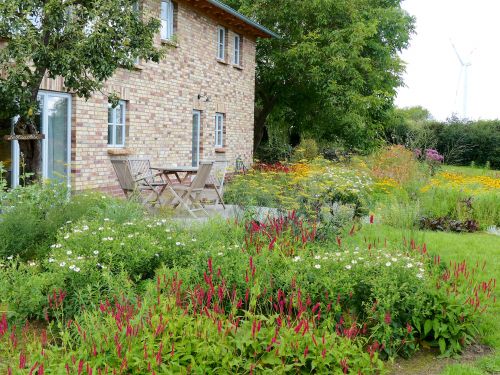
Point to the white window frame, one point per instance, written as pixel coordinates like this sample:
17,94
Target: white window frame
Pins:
221,43
219,130
237,50
167,19
115,123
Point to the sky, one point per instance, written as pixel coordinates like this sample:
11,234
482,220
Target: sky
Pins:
433,78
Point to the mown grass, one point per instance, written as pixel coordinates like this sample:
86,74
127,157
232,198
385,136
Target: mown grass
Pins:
477,247
472,171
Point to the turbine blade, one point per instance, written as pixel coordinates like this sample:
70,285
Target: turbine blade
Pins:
458,55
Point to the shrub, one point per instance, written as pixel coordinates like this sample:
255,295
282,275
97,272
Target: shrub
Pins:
307,150
274,151
30,217
396,163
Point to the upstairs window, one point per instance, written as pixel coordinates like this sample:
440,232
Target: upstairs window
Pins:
116,125
167,19
219,130
221,43
237,50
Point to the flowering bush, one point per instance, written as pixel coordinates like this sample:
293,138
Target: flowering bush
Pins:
309,188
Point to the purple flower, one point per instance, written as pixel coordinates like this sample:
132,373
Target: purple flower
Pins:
433,156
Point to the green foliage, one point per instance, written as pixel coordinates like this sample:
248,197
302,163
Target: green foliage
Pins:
166,339
461,142
309,188
334,71
84,42
24,288
307,150
31,216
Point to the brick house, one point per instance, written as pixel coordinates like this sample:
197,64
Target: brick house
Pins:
199,99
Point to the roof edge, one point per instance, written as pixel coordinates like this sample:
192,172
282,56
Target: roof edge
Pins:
243,18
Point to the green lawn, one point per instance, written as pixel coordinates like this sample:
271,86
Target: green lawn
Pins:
478,247
472,171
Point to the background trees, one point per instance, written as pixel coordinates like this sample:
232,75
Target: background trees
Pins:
333,74
82,41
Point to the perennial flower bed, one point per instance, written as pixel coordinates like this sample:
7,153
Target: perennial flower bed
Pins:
254,297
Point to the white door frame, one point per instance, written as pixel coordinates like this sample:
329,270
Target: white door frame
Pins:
45,141
198,114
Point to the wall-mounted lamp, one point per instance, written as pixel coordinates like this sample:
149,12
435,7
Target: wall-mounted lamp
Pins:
204,97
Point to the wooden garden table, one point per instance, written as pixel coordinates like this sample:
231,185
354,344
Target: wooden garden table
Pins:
177,171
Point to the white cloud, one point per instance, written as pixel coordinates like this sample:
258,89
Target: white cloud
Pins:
433,69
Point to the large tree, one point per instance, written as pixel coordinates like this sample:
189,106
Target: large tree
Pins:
83,41
334,72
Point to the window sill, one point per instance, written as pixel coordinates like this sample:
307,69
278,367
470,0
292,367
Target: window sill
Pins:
171,43
238,67
119,151
223,62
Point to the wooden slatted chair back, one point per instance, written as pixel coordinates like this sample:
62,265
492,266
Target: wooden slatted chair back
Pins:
202,175
141,169
124,174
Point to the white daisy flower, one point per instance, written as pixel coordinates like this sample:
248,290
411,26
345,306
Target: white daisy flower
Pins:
409,265
348,267
178,243
220,254
388,264
317,257
394,259
354,261
69,252
10,257
62,264
420,276
106,219
297,259
76,269
194,239
96,252
66,236
51,260
72,267
317,266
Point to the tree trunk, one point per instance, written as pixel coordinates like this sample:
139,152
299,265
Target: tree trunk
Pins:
31,152
260,122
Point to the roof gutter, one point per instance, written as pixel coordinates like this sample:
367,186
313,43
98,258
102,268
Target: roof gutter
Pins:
243,18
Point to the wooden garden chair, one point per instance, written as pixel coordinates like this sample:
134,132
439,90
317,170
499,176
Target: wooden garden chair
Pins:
214,189
136,178
189,196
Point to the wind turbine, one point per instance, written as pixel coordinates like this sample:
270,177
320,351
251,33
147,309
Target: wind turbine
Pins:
466,64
